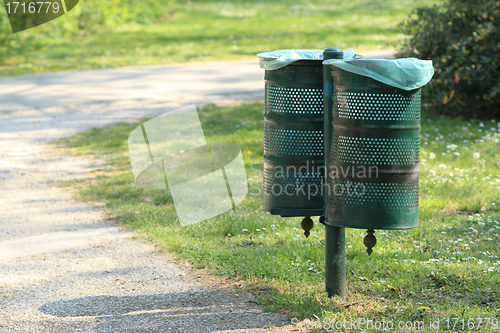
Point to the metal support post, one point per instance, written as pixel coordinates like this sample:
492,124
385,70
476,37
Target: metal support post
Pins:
334,236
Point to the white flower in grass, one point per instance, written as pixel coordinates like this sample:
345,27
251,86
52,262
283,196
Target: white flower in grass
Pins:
432,156
476,155
442,166
451,147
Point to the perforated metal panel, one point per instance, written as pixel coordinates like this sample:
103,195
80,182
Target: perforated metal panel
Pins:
376,196
374,155
293,140
385,107
278,181
294,100
381,151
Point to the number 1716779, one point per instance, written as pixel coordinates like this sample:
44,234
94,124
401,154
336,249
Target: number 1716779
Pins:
471,323
32,7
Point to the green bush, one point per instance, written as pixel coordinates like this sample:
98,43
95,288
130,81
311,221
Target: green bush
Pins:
91,16
88,17
11,43
97,16
462,38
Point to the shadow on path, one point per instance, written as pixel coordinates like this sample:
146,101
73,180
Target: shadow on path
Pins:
203,311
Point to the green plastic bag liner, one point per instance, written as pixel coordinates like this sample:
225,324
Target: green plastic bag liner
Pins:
281,58
406,73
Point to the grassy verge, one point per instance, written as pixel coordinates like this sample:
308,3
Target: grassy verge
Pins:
448,267
202,30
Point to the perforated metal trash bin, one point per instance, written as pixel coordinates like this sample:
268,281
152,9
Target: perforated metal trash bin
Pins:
374,154
293,139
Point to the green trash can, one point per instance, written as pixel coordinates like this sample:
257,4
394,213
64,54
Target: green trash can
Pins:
375,140
293,134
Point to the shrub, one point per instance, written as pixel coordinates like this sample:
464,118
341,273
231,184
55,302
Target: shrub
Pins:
11,43
96,16
88,17
462,38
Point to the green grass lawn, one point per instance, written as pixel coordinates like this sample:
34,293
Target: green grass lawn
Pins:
220,30
448,267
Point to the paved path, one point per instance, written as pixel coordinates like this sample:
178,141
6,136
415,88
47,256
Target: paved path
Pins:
199,81
64,269
150,83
